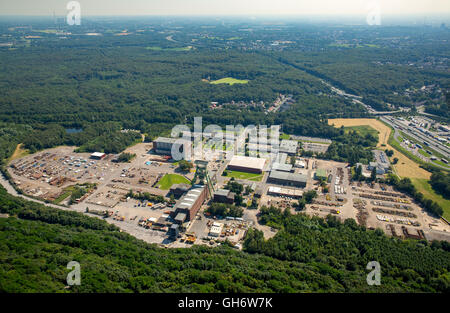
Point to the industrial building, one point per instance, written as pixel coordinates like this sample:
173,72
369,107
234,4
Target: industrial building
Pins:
246,164
282,167
224,196
174,231
188,206
381,168
98,155
285,192
288,146
164,146
300,163
178,190
287,179
216,229
381,162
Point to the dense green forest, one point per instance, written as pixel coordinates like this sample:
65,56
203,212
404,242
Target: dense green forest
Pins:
10,136
343,249
307,255
102,91
440,181
102,136
364,72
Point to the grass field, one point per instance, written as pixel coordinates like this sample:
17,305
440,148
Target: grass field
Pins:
424,187
285,137
244,175
67,193
170,179
363,130
229,80
405,166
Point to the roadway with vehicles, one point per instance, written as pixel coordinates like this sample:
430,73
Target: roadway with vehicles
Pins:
420,137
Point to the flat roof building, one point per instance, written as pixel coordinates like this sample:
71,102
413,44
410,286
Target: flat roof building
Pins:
288,146
246,164
278,191
98,155
300,163
287,179
174,230
216,229
283,167
191,202
164,146
224,196
380,168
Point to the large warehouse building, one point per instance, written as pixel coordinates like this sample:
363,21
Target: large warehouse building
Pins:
287,179
289,147
188,206
246,164
164,145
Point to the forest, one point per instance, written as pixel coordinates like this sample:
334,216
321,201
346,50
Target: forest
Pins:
307,255
440,181
101,91
342,250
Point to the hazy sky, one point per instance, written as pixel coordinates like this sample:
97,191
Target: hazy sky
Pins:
224,7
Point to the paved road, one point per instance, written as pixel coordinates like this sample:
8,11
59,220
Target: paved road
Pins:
414,135
436,145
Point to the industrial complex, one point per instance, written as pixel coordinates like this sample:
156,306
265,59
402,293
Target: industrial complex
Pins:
156,200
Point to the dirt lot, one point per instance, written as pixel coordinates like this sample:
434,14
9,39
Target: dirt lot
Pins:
405,167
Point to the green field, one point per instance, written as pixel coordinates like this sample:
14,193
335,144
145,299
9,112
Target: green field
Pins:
362,130
424,187
244,175
170,179
229,80
285,137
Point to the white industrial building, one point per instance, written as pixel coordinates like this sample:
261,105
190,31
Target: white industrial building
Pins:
216,229
246,164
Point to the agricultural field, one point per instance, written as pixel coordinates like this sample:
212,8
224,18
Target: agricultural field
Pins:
405,166
170,179
229,80
244,175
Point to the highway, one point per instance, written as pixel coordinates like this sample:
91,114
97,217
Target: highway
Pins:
434,144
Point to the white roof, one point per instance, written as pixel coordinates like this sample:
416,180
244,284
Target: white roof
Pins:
97,154
249,162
